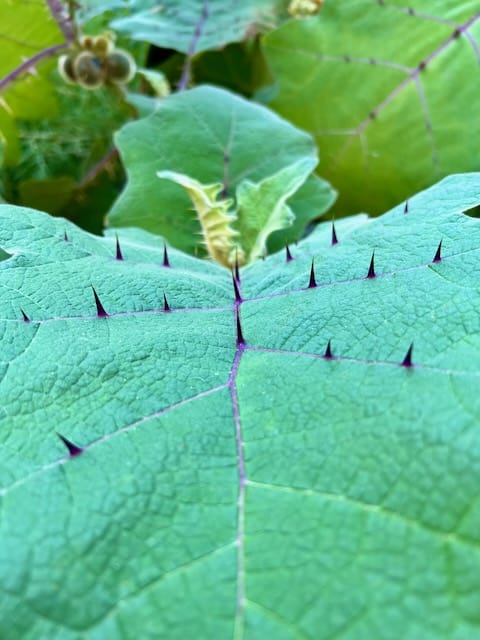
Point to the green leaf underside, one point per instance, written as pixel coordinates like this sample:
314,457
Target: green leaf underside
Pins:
358,513
193,26
386,124
241,141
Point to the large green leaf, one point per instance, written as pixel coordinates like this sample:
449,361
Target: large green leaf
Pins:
234,482
192,26
389,118
213,137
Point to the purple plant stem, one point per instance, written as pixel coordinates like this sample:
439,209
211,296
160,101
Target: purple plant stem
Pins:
98,167
63,20
182,84
25,66
242,476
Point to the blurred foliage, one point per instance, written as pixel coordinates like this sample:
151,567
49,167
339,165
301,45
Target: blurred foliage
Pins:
57,140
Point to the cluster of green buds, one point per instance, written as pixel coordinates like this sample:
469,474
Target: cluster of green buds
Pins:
97,62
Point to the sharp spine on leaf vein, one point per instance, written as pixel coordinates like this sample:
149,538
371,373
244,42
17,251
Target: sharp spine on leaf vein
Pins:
101,313
312,282
371,269
166,262
73,449
118,251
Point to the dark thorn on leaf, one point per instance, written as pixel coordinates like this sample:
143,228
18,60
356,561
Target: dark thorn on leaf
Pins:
411,12
347,58
166,262
371,269
334,235
373,61
328,351
238,297
166,306
73,450
288,254
118,252
312,283
101,313
240,338
438,254
25,317
405,209
372,115
65,236
422,65
456,34
407,361
237,268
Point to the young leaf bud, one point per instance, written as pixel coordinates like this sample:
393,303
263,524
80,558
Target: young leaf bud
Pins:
88,70
65,69
119,66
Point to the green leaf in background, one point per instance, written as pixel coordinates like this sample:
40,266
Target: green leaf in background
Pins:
239,67
233,476
388,91
211,136
28,35
192,26
28,31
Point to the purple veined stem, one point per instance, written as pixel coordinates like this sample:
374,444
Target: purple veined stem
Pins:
25,66
62,18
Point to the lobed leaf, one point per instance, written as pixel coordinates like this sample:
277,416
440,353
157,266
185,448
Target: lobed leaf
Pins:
193,26
228,474
241,141
389,119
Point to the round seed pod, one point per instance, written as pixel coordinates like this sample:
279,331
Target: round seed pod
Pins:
86,42
120,67
88,70
65,69
102,45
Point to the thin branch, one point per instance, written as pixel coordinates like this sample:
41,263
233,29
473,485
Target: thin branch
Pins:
63,19
25,66
98,167
185,79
